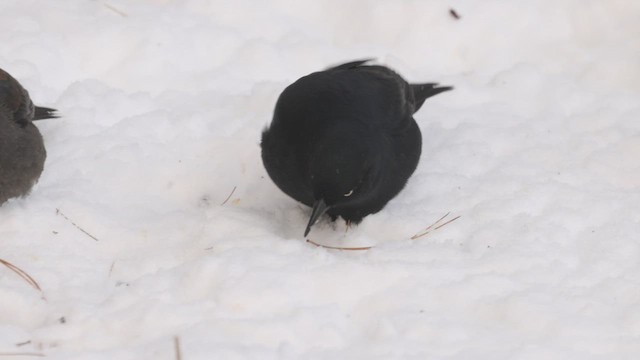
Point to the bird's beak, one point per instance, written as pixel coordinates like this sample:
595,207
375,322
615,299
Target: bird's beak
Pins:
319,208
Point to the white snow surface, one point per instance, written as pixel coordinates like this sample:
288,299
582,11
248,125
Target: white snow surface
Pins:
163,103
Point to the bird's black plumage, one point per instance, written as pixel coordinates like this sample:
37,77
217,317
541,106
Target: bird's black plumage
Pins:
22,151
344,140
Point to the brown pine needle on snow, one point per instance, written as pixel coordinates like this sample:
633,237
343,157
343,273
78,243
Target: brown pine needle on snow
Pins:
229,197
435,226
338,247
448,222
22,274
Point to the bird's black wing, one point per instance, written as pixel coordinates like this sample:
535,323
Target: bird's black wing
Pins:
414,95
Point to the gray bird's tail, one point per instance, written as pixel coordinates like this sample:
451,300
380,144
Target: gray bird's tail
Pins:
41,113
422,92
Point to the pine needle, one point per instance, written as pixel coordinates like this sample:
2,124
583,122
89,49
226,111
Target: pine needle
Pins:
22,274
448,222
435,226
229,197
338,247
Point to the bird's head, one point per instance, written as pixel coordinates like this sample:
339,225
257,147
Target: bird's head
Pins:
341,173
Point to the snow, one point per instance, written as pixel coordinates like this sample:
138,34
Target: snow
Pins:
163,103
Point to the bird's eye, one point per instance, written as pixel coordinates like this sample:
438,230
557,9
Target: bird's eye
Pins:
349,193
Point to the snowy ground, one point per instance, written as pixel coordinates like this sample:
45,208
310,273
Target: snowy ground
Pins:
163,103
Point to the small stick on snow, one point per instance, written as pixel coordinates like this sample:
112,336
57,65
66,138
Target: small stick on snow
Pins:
435,226
119,12
22,274
338,247
176,345
229,197
111,268
59,212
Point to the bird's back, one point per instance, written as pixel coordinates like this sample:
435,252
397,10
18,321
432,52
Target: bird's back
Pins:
365,96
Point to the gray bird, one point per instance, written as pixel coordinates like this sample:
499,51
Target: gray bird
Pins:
22,151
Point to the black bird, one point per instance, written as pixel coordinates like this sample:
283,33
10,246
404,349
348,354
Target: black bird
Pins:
344,140
22,152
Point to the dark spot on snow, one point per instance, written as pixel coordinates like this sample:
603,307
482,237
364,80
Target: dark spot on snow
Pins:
454,14
205,201
62,320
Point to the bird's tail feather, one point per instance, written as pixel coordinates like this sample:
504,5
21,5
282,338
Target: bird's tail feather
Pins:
350,65
422,92
42,113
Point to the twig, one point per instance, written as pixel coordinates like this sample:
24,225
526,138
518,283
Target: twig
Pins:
119,12
338,247
111,268
176,345
21,354
229,197
454,14
429,228
22,274
59,212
